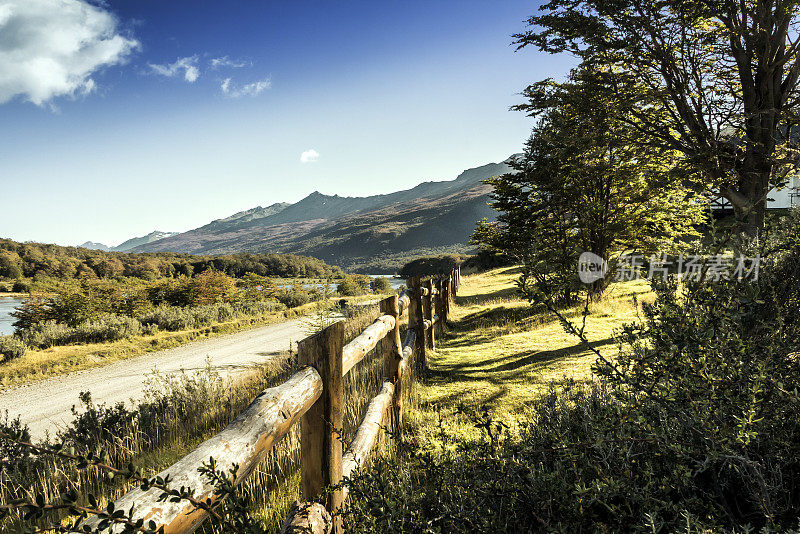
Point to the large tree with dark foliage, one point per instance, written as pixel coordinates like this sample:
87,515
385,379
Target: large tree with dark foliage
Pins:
582,185
725,71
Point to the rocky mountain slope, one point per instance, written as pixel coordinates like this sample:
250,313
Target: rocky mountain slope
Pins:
375,233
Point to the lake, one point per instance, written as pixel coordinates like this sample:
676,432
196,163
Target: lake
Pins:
7,305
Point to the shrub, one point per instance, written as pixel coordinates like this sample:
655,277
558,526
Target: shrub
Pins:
11,347
294,298
16,461
430,266
380,285
21,286
108,327
97,425
354,285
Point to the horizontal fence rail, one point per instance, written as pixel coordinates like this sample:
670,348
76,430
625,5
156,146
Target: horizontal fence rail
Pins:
245,441
314,396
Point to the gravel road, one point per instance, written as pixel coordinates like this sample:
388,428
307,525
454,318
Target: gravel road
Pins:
45,405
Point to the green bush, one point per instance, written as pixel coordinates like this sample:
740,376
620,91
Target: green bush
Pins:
105,328
380,285
431,266
354,285
21,286
294,298
11,347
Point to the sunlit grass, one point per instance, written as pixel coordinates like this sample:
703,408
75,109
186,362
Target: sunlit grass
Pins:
501,353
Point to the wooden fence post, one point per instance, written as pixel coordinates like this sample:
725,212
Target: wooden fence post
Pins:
428,307
416,318
321,442
389,306
440,305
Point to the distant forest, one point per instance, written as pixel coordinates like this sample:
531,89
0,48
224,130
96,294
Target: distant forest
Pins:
30,260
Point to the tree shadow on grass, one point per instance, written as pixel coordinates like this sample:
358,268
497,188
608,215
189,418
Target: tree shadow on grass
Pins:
472,371
496,316
472,300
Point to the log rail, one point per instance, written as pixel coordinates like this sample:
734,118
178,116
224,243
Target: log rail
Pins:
312,395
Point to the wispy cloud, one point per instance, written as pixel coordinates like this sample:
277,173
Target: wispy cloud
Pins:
231,90
309,156
226,62
183,65
51,49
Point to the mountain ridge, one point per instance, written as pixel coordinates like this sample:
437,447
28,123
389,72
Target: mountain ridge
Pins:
433,216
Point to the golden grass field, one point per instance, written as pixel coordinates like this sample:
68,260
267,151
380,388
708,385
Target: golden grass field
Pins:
501,353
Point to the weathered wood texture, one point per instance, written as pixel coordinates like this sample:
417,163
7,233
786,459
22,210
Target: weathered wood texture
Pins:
403,301
416,320
307,518
408,352
392,359
428,307
368,431
355,351
244,442
440,303
321,445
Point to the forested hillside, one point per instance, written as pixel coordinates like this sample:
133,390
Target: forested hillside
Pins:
29,260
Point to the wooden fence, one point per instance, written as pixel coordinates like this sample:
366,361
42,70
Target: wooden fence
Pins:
313,395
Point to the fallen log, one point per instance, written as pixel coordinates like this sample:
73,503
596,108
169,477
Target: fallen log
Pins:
244,442
354,352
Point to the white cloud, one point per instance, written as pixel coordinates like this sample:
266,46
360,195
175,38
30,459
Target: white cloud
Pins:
186,65
52,48
230,89
309,156
225,62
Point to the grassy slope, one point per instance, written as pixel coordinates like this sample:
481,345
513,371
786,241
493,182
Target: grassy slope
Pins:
501,353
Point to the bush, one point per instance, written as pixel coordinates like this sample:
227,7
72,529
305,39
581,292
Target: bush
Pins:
430,266
354,285
11,347
380,285
106,328
294,298
21,286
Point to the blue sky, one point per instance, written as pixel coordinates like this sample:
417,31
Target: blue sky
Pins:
166,115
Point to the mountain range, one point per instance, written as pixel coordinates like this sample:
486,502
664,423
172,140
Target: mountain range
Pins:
130,243
375,234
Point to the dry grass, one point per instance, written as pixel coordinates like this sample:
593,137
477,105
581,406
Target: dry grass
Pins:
54,361
273,486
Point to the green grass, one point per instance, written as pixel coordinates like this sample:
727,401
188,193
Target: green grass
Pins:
501,353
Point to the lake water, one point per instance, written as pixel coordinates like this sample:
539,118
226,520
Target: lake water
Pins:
395,282
7,305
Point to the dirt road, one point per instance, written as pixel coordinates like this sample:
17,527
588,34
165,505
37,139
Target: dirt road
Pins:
45,405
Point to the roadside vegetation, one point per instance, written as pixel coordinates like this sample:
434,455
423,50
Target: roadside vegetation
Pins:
177,413
67,324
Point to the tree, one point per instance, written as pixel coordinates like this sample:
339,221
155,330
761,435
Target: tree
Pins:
583,186
725,72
